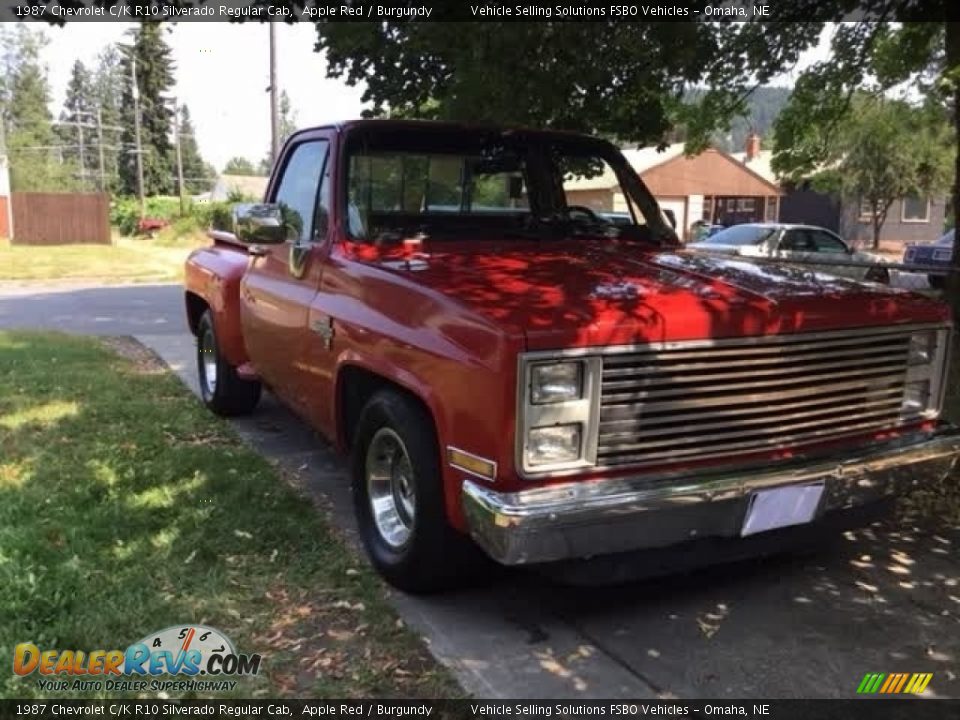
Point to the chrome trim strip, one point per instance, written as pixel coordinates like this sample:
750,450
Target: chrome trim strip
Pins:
581,519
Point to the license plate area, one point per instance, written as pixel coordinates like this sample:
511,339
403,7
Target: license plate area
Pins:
781,507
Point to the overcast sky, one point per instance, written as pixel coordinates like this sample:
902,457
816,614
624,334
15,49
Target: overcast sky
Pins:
222,75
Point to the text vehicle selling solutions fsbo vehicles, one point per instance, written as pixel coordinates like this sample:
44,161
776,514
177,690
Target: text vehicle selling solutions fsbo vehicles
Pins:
511,372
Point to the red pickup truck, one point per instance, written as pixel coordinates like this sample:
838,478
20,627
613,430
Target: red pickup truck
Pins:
511,371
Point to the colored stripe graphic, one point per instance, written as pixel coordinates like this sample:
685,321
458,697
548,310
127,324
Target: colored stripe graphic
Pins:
894,683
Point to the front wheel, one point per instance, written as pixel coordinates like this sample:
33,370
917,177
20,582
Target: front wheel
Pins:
222,390
937,282
399,501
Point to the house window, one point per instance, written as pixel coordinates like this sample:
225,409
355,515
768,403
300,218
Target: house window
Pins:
915,210
772,213
866,210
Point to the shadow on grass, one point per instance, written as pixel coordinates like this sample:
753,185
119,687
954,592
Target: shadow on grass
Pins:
126,508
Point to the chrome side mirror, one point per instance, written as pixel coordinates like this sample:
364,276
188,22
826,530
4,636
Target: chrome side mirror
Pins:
261,224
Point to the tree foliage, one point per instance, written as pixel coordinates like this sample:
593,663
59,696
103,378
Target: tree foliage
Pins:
885,150
197,177
239,166
78,110
154,72
623,80
107,88
24,105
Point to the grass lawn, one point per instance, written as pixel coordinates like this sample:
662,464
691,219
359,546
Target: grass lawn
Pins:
125,508
128,260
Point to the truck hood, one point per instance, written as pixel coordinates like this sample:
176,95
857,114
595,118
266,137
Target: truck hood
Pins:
562,294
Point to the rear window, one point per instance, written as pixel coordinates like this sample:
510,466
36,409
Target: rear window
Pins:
739,235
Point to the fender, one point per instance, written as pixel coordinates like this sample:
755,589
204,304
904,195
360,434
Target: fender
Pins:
214,274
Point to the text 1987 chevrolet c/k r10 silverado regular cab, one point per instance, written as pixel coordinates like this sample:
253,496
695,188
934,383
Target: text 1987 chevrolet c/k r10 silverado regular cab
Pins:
512,372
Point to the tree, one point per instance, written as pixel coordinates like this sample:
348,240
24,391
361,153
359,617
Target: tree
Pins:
108,82
196,177
154,71
895,47
885,150
25,98
78,110
239,166
623,80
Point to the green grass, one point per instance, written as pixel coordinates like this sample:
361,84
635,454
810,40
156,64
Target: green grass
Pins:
125,507
127,260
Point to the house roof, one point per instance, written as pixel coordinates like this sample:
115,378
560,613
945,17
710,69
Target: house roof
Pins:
670,173
254,186
760,164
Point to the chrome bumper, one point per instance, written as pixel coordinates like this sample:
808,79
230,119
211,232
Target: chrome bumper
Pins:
583,519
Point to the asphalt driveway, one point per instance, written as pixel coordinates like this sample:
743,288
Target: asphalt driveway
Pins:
886,599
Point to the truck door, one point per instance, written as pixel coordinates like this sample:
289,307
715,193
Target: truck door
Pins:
282,280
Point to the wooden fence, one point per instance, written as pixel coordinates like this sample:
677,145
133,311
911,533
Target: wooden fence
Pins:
60,218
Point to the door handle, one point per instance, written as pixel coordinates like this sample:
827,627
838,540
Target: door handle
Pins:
258,250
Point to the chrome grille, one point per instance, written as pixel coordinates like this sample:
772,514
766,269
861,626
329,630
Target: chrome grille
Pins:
690,401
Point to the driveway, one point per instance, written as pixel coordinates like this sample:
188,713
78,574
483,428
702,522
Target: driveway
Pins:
886,599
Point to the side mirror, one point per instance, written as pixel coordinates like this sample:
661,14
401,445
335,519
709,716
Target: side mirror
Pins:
260,224
671,218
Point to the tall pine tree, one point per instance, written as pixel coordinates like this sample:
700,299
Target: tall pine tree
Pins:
196,179
78,111
154,72
107,91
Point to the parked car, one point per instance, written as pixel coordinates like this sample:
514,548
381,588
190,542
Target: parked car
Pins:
538,385
701,230
815,246
936,253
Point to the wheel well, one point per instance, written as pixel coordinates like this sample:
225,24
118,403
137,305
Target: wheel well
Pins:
355,386
196,307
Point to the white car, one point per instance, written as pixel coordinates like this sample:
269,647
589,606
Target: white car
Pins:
813,247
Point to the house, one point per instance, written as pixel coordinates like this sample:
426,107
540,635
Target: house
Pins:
713,186
909,220
249,186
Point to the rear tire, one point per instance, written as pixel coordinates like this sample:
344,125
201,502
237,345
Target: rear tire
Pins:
936,281
399,500
222,390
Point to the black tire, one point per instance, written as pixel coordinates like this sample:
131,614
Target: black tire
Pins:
936,281
225,392
434,557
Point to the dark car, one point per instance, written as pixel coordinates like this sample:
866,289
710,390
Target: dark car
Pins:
936,254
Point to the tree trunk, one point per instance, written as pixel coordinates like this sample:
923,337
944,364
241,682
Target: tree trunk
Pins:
877,223
952,72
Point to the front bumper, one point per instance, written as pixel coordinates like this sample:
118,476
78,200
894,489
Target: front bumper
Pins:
584,519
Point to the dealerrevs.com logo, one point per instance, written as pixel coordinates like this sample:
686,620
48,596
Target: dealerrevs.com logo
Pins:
187,651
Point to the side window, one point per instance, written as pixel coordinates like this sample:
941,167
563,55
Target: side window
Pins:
827,243
297,192
795,241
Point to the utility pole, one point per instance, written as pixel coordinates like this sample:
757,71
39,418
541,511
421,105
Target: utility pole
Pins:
136,126
103,175
274,117
176,139
83,155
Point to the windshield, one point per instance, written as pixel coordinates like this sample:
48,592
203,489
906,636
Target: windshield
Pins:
739,235
444,183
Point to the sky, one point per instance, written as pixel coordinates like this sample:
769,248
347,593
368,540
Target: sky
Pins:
222,75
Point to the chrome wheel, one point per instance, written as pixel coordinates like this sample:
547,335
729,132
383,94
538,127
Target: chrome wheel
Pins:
208,361
390,487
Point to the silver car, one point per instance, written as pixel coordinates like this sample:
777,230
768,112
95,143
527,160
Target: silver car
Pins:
809,245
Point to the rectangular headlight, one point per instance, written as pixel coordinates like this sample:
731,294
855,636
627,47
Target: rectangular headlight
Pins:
557,444
926,374
557,382
923,347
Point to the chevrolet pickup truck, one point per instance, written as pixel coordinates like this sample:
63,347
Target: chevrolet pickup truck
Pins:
513,375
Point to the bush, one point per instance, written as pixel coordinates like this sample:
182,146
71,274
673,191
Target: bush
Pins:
125,213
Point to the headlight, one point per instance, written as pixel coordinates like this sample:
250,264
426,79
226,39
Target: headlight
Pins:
558,413
556,383
923,347
926,374
551,445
